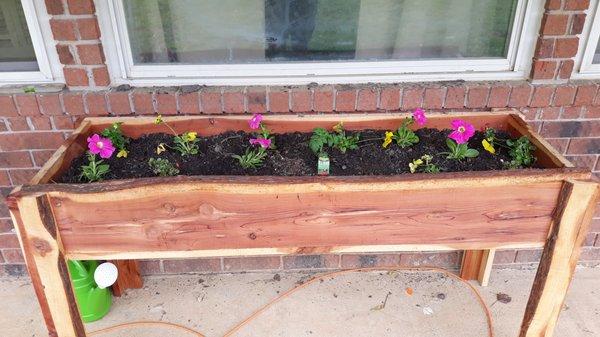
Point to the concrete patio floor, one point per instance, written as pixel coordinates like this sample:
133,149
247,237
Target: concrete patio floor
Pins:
348,305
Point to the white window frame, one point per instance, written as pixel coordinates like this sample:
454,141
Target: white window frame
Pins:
123,70
588,41
50,70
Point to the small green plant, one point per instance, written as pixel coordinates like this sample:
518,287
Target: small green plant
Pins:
337,140
520,152
424,165
162,167
115,134
185,143
460,151
253,158
404,136
94,170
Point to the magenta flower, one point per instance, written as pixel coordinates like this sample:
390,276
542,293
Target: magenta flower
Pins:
265,143
254,122
100,145
462,131
419,116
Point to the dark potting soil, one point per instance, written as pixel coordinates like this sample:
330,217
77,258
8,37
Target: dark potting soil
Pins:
293,157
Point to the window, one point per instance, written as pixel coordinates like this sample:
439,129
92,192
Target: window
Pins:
589,48
295,41
23,56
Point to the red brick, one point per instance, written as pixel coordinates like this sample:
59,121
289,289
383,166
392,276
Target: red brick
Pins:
63,122
9,240
367,99
90,54
528,255
455,98
311,261
166,103
433,98
252,263
585,94
345,100
119,103
560,144
571,112
27,105
233,102
440,259
544,48
591,112
149,267
73,104
574,5
20,159
5,224
585,161
477,97
553,4
389,99
565,69
543,70
50,104
13,255
542,96
192,266
63,30
412,97
78,7
301,100
519,96
142,102
189,103
590,254
569,129
257,100
211,102
577,24
8,106
584,146
76,77
505,256
64,54
566,47
554,24
54,7
564,95
323,100
101,76
549,113
40,123
530,113
22,176
371,260
279,101
498,97
41,157
18,123
96,103
88,29
4,181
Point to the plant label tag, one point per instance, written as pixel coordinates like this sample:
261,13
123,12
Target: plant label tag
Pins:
323,165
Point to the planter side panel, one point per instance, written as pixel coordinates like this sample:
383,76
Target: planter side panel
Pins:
153,219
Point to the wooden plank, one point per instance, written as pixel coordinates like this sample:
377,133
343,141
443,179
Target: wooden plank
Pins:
477,265
485,267
154,219
571,222
129,277
45,259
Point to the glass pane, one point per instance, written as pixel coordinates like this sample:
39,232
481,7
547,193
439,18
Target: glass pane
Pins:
16,49
263,31
596,59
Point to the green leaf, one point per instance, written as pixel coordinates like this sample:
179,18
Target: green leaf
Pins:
471,153
451,144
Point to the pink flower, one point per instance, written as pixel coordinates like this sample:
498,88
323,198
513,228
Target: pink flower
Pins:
419,116
462,131
254,122
100,145
265,143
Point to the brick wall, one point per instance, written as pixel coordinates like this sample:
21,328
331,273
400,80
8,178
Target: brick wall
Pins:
32,126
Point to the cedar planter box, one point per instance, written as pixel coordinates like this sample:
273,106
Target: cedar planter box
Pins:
248,215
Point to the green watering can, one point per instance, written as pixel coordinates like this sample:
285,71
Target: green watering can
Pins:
90,284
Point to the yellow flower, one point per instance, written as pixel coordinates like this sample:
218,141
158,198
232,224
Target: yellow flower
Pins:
191,136
339,127
158,120
160,148
414,165
388,139
488,146
122,154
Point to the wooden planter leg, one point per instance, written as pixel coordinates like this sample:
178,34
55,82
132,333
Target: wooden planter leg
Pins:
48,267
571,220
477,265
129,277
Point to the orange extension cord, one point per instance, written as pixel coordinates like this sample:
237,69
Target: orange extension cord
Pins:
264,308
